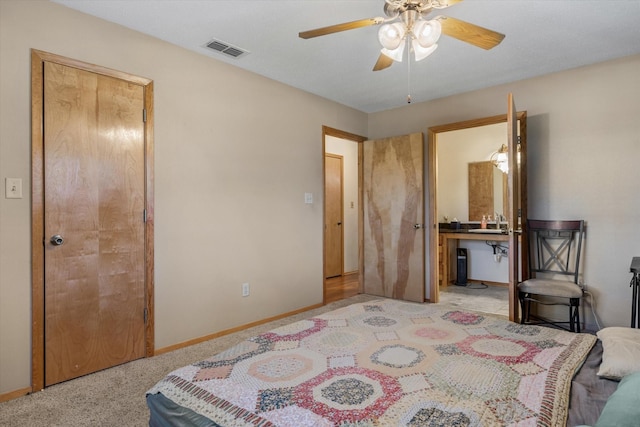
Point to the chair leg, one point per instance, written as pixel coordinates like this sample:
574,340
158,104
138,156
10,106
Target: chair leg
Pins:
574,314
571,318
576,303
574,311
525,306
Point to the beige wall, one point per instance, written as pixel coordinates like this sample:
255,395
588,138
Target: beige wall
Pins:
583,141
234,155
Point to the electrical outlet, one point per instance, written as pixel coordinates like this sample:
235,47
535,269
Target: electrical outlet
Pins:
245,289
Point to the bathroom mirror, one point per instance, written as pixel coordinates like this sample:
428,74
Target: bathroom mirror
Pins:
487,191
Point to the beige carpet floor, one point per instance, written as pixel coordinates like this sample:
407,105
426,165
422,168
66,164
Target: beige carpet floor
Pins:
489,299
116,396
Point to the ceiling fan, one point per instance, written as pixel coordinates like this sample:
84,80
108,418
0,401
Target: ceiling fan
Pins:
406,25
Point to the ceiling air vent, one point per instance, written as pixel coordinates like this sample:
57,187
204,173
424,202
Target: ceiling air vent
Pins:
226,49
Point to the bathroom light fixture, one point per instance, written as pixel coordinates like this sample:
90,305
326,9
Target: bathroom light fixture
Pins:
500,159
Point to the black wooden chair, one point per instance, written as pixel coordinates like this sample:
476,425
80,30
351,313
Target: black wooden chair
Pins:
554,261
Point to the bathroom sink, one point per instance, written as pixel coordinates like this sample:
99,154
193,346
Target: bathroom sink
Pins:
485,230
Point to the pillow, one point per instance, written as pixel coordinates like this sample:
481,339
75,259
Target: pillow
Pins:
623,406
620,352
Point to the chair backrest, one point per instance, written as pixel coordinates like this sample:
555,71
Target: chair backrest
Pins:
554,247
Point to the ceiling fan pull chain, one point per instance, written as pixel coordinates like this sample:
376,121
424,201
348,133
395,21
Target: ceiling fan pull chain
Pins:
408,76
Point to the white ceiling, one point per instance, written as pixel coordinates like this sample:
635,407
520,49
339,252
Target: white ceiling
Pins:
542,36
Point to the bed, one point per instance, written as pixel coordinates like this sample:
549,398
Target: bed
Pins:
388,362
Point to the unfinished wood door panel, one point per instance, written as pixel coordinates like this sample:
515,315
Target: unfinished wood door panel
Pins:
481,200
94,197
334,236
393,208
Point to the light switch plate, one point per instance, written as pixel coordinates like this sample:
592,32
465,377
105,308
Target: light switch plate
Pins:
13,188
308,198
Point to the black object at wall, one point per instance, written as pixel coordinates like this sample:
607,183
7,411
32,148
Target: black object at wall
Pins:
461,278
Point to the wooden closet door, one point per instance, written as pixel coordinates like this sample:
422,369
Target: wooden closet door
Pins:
333,216
94,199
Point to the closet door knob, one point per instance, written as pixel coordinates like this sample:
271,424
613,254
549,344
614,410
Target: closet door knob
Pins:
56,240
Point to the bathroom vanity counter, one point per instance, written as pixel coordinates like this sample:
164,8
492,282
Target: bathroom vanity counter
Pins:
476,234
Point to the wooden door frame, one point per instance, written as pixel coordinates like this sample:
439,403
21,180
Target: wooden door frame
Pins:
38,58
328,131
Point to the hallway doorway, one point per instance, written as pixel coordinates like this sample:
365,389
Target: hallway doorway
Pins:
342,254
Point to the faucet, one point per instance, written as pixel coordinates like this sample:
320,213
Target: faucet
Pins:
497,217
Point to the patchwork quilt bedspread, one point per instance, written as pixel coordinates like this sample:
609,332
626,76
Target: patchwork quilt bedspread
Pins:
387,363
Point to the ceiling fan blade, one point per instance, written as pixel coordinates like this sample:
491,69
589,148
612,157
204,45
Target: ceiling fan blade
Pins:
470,33
383,62
450,2
340,27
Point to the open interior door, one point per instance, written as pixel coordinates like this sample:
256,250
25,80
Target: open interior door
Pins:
514,211
393,203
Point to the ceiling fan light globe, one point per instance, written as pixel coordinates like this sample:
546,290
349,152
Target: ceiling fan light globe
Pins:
391,35
391,10
421,52
395,54
427,33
